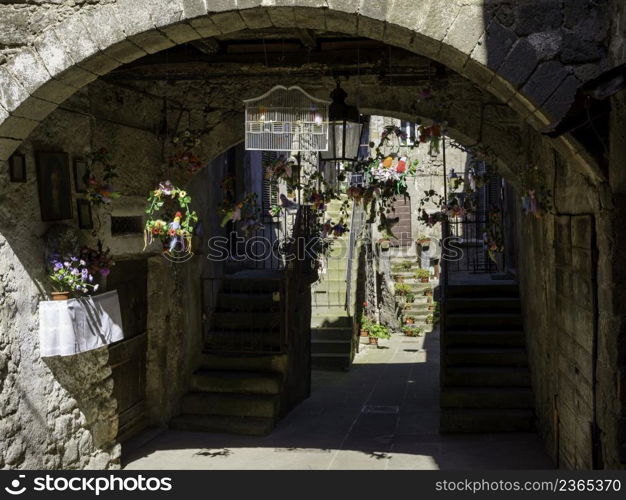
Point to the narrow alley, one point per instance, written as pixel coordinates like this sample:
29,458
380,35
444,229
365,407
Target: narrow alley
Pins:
383,414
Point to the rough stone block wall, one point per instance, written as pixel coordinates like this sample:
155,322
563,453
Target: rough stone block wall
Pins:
562,279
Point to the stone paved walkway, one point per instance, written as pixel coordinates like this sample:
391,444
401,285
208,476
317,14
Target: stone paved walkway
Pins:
383,414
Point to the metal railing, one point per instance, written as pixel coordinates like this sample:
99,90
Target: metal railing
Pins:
249,310
467,235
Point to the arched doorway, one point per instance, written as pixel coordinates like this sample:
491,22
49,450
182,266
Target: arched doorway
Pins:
41,79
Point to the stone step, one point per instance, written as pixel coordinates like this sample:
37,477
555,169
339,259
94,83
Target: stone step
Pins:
486,420
486,376
482,304
249,426
502,356
331,346
482,291
256,321
250,285
331,333
321,309
487,338
228,404
328,321
473,321
486,397
240,301
225,340
240,382
331,361
274,363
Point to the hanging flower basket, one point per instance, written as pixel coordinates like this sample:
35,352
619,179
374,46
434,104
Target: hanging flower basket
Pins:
99,188
174,227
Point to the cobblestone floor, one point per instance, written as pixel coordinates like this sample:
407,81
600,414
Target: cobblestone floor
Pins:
383,414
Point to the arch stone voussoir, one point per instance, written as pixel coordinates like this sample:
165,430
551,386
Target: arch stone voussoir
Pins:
466,36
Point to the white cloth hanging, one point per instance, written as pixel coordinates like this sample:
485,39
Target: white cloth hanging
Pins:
73,326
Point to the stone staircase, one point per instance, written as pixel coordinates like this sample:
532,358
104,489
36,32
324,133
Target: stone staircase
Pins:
485,380
420,307
232,391
331,327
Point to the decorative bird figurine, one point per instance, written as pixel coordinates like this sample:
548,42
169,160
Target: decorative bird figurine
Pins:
174,226
287,203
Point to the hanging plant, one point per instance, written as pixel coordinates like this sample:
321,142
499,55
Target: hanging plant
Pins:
99,188
245,212
174,227
493,236
183,155
536,196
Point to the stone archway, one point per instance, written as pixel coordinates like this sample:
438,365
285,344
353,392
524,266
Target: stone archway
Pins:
488,45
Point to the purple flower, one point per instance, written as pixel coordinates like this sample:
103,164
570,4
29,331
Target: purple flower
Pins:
57,266
75,272
82,262
66,264
84,274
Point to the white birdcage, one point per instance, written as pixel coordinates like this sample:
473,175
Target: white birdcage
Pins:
286,119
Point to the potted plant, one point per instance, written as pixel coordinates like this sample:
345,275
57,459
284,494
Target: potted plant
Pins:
423,241
70,276
398,278
412,330
409,319
365,326
430,319
402,267
378,331
422,275
384,243
405,292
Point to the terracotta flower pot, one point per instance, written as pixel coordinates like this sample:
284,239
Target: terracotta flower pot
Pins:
374,340
409,321
399,279
60,295
424,280
364,333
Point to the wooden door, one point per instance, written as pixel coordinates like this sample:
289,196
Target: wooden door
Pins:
127,358
402,230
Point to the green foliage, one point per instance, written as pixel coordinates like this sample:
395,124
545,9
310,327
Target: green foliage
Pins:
412,330
378,331
405,291
422,274
403,266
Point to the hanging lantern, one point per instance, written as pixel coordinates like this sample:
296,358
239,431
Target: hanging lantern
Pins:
345,127
286,119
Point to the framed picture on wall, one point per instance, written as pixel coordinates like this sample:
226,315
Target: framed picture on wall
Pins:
17,168
83,208
55,191
80,172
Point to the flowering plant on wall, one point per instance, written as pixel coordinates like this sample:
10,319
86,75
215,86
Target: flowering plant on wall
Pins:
71,274
99,189
536,196
183,155
98,259
174,226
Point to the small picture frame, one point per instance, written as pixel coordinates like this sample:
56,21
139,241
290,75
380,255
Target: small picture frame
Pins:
80,172
55,189
17,168
83,209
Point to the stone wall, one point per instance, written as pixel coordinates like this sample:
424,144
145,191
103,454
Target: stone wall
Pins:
567,285
60,412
